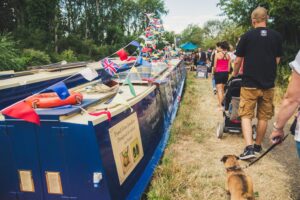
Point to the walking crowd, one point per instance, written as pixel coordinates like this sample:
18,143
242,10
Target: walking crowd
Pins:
255,60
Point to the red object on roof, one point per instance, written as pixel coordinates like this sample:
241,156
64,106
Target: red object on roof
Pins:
122,54
131,58
146,49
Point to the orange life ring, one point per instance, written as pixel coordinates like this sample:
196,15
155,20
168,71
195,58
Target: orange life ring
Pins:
50,100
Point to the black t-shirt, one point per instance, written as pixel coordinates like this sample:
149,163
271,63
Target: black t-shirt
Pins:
259,47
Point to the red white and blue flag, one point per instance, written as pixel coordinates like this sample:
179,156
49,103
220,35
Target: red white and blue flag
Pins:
110,67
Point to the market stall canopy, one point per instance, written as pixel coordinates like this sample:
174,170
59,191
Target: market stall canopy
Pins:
188,46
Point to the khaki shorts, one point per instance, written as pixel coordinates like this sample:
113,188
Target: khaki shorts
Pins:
252,97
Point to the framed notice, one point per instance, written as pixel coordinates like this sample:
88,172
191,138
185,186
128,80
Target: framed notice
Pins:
126,145
26,181
54,183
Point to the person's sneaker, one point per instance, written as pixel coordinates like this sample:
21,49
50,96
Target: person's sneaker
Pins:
248,153
257,148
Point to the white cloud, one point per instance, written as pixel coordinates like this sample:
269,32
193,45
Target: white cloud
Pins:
179,23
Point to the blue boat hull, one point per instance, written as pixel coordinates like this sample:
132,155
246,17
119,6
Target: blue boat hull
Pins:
76,151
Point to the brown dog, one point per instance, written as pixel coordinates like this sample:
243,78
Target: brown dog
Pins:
238,184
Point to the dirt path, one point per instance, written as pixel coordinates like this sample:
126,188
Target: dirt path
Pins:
191,167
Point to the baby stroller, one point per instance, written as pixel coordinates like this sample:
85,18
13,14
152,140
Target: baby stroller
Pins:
202,71
232,121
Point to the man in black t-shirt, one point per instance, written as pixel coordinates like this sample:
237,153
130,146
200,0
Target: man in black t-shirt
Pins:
261,49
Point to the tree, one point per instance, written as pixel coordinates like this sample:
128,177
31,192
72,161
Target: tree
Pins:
192,33
83,26
212,28
216,31
284,18
9,54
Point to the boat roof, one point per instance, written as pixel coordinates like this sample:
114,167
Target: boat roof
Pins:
39,75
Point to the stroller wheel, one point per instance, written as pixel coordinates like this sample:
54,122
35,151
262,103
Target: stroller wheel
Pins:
254,133
225,130
220,129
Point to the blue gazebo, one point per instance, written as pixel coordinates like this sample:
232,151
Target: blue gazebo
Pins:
188,46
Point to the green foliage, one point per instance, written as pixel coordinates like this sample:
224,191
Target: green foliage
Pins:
231,32
169,36
85,27
192,33
33,57
283,76
284,17
68,55
9,55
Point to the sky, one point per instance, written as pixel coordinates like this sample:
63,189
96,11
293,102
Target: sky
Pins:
184,12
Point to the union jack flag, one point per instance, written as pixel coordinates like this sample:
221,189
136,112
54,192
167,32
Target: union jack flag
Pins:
110,67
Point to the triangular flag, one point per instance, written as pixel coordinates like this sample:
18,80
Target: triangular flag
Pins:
143,37
139,60
23,111
119,100
130,87
133,70
135,43
131,58
146,63
122,54
89,73
60,89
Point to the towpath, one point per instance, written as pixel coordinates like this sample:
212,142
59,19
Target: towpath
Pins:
191,167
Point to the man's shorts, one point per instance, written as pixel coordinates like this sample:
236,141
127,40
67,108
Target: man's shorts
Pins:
252,98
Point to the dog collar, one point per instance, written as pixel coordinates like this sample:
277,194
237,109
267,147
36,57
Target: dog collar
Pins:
233,168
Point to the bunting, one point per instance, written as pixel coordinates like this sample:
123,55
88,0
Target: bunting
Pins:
119,100
143,62
131,88
22,110
122,54
61,90
89,73
135,43
110,67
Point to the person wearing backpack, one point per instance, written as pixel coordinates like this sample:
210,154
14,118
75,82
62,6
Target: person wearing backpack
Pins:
288,106
221,70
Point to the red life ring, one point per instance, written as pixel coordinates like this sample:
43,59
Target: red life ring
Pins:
50,100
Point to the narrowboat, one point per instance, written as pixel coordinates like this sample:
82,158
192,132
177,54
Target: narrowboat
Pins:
78,153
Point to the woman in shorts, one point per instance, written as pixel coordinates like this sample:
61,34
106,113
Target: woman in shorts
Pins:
221,70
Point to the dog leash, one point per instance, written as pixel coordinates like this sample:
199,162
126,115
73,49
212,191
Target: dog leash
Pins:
267,151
